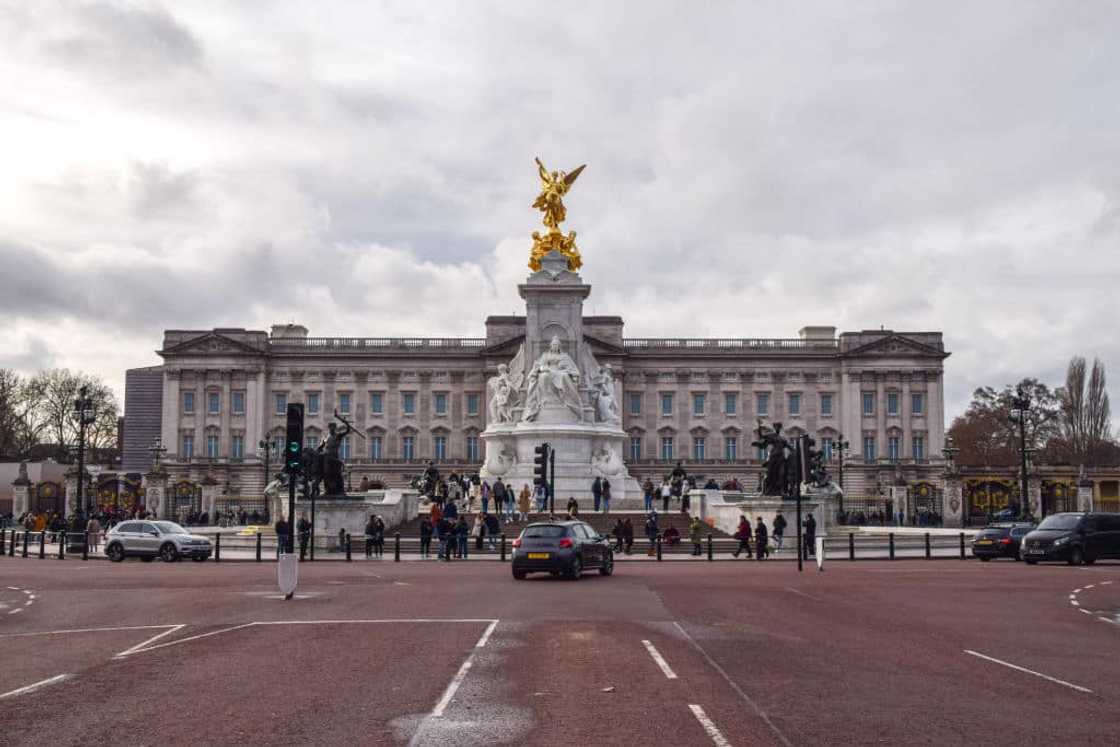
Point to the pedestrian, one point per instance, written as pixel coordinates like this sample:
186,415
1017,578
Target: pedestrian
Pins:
686,501
779,529
647,494
695,532
597,492
484,491
378,536
761,550
478,531
282,535
93,526
443,534
499,495
628,535
616,532
492,530
810,537
542,499
743,534
666,494
652,531
573,507
425,537
606,496
304,528
369,530
511,503
462,532
523,503
342,540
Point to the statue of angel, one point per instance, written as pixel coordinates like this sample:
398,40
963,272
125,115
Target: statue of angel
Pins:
554,185
602,394
504,389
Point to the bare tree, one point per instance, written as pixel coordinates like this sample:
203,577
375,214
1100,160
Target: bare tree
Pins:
986,434
58,389
1086,415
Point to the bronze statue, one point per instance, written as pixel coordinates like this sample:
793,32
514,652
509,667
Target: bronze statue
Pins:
777,467
332,460
554,185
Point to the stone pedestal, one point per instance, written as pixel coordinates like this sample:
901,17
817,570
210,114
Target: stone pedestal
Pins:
155,494
1084,495
1034,494
953,500
21,497
210,489
722,510
71,503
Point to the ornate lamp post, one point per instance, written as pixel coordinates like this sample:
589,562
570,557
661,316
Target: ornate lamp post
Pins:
841,446
1020,407
157,450
950,452
264,449
86,414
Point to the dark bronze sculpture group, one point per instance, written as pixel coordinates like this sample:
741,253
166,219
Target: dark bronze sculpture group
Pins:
323,465
782,469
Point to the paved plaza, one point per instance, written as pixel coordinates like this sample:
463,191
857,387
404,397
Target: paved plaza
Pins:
727,653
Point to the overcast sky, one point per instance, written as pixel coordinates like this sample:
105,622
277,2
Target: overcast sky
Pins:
367,169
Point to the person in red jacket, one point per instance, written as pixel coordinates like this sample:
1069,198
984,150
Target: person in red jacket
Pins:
743,534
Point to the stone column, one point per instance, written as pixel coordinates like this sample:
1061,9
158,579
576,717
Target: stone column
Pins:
953,503
71,502
1084,494
21,493
1034,494
155,493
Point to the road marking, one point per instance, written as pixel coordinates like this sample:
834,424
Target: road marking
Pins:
177,641
35,686
1075,603
1087,612
807,596
83,630
709,726
1047,677
486,635
153,639
453,686
1090,586
12,612
1104,583
657,657
734,686
14,588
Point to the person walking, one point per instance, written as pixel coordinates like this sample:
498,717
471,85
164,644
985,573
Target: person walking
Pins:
810,537
743,534
425,537
371,527
485,491
616,532
304,529
282,535
666,494
761,550
647,495
695,534
499,496
652,531
573,507
606,496
523,503
462,532
597,492
93,526
627,536
779,529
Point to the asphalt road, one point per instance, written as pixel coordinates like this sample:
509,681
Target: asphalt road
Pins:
724,653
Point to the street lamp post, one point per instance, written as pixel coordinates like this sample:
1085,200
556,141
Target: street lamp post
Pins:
86,414
950,451
841,446
1020,406
263,448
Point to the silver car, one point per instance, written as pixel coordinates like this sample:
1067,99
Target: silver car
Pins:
149,540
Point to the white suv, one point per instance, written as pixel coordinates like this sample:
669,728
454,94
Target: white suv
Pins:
148,540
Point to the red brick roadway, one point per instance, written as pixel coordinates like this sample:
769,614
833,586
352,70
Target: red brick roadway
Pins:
728,653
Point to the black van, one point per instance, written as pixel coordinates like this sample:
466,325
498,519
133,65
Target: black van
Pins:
1074,537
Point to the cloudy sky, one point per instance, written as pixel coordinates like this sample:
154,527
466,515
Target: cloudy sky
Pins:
366,169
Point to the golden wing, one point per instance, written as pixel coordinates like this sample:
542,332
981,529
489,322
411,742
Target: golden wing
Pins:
571,178
542,171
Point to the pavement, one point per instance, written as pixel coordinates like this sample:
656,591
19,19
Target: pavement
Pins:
688,653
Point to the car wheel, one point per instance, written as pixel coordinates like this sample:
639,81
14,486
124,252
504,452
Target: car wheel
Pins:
1076,556
607,568
168,553
519,575
1088,560
115,552
577,569
1030,562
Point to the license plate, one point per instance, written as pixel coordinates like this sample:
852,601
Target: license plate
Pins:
538,556
1036,552
983,542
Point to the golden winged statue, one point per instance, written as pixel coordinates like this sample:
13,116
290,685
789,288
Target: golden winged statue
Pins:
554,185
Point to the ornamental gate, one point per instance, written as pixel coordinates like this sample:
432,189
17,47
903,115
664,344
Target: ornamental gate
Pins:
926,507
48,497
186,498
986,497
119,492
1058,496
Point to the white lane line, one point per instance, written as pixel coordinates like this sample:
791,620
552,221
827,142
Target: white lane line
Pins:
26,591
171,629
1087,612
12,612
191,638
734,686
486,635
1090,586
807,596
1016,667
35,686
1105,583
14,588
83,630
657,657
1075,603
709,726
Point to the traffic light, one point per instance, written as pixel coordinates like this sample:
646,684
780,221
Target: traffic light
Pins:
293,443
540,465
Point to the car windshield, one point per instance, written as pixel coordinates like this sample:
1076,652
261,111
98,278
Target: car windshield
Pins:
545,531
1060,521
170,527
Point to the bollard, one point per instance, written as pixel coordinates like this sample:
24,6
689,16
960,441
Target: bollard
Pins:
42,544
962,545
659,549
851,545
890,537
503,547
62,545
218,547
85,546
396,547
258,547
3,538
12,545
25,533
710,555
928,553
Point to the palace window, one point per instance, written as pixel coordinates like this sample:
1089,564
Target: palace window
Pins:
826,405
408,447
869,449
917,404
237,403
762,404
375,448
188,403
892,448
408,403
826,448
635,448
918,447
376,403
439,447
698,448
730,403
278,444
344,403
635,399
869,403
310,440
731,448
666,403
667,447
794,404
280,399
188,446
312,403
699,400
237,446
440,403
212,446
892,404
213,403
472,448
473,402
344,448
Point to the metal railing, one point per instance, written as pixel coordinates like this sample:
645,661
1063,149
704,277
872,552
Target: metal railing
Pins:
727,343
352,344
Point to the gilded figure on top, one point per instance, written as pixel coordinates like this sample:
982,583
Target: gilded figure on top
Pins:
554,185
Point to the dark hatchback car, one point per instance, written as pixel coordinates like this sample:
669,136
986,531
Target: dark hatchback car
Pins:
999,541
564,547
1075,538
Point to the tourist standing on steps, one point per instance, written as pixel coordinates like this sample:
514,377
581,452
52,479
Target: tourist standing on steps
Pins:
542,499
695,534
524,503
606,496
652,531
484,491
443,534
810,537
573,507
628,535
597,492
425,537
761,551
492,529
779,529
616,532
304,529
647,494
462,532
511,503
666,494
743,534
499,495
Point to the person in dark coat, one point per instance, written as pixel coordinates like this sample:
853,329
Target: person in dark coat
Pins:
462,533
500,495
627,535
810,536
445,538
282,535
760,540
493,529
371,527
597,492
779,530
425,537
616,532
743,534
304,529
606,496
652,531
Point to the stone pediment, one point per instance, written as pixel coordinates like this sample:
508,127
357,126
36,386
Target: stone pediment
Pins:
895,345
599,346
505,347
211,343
